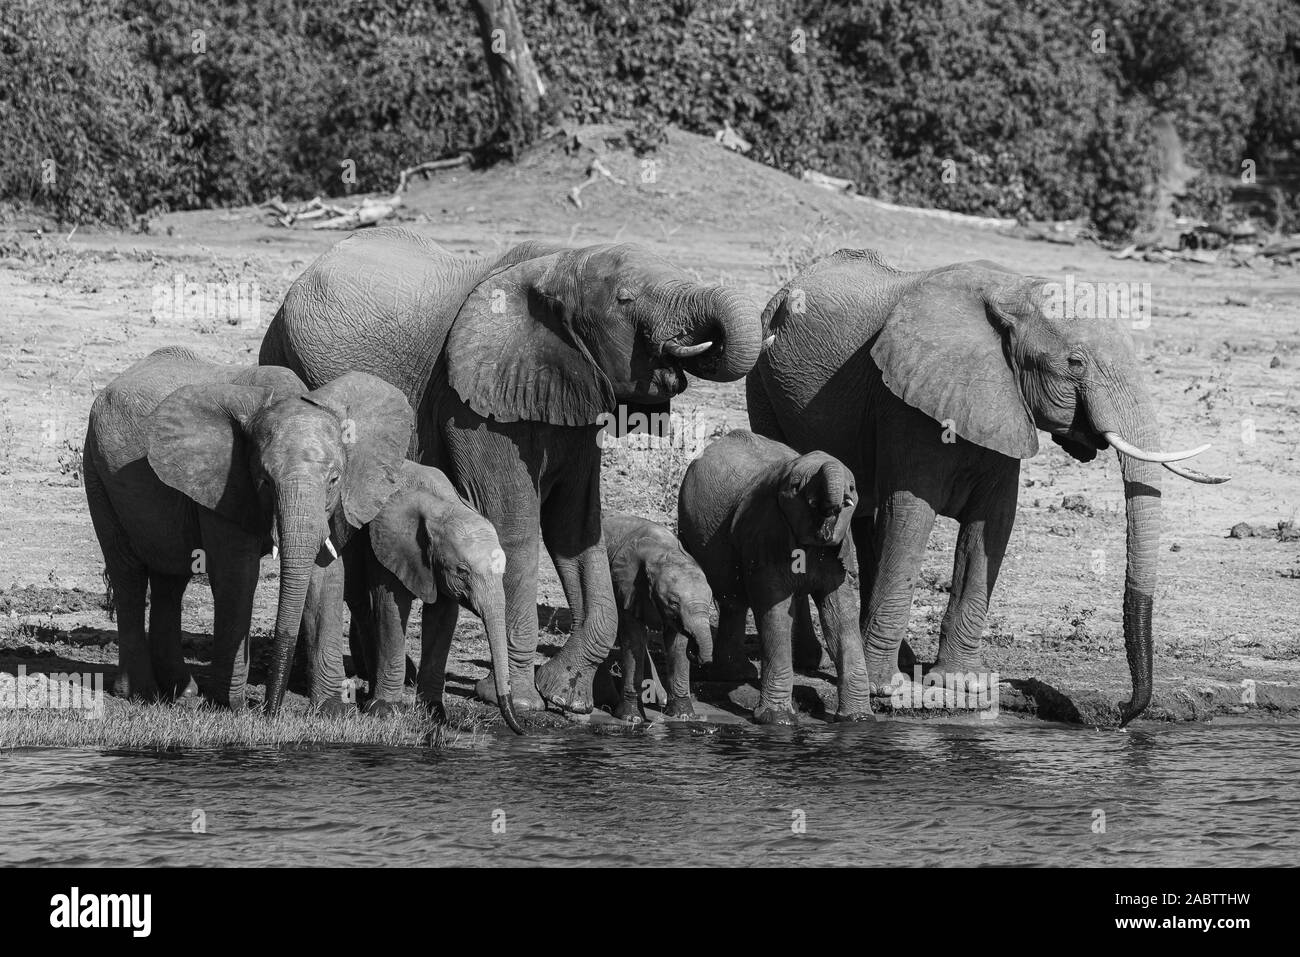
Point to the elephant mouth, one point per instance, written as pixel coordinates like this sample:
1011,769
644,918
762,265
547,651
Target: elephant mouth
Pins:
662,384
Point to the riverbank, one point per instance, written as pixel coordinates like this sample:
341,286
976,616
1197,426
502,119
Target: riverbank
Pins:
1222,351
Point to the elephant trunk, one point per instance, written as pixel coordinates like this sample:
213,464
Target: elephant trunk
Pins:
298,510
728,320
490,605
833,477
1135,421
696,623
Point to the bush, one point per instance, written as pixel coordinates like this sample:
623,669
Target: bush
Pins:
184,103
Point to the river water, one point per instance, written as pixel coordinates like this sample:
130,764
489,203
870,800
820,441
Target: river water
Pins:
892,793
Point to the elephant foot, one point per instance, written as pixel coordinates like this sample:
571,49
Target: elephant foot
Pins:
566,688
860,714
235,702
382,708
681,708
141,690
433,706
884,676
523,695
970,676
177,687
765,714
189,695
334,707
737,668
630,710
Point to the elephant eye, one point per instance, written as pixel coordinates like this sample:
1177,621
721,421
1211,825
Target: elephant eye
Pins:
1076,364
624,294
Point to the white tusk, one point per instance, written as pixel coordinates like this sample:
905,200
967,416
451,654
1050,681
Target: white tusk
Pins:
1134,452
275,553
1192,475
686,352
767,343
329,547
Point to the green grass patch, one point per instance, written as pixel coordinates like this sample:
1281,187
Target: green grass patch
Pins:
128,726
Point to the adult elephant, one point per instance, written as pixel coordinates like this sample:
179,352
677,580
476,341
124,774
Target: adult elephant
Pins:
510,363
191,464
929,386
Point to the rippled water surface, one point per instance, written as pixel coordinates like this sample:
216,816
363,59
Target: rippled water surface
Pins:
917,794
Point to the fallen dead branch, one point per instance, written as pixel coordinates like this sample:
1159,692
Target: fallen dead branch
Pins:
595,171
369,212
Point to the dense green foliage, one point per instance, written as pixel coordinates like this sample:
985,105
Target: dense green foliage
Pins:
143,104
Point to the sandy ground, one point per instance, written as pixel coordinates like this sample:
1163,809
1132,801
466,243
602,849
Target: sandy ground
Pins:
1222,353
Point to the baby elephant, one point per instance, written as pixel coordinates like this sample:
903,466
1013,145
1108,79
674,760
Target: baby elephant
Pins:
426,544
657,585
770,528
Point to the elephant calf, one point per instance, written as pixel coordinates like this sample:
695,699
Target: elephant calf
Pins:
424,543
770,527
657,585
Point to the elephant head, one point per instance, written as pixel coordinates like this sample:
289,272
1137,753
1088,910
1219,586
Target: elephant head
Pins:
565,337
817,496
436,545
683,599
300,463
993,355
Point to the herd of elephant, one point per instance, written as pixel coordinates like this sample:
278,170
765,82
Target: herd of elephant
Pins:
417,419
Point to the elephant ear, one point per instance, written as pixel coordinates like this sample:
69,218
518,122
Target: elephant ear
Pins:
376,422
942,351
401,536
278,379
513,352
631,585
197,445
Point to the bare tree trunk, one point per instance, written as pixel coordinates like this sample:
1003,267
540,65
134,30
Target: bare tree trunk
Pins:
519,87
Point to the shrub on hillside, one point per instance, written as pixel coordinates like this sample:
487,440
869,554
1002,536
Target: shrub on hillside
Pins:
1002,107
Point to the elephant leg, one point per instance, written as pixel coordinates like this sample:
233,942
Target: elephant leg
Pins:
135,677
981,545
232,572
321,634
864,540
903,525
680,704
838,609
437,625
633,643
518,536
808,652
776,685
172,676
577,547
390,611
729,660
356,595
129,579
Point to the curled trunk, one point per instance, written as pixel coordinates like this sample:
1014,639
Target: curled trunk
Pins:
697,626
731,322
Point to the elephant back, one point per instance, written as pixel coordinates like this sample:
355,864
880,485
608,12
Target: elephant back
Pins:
380,302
